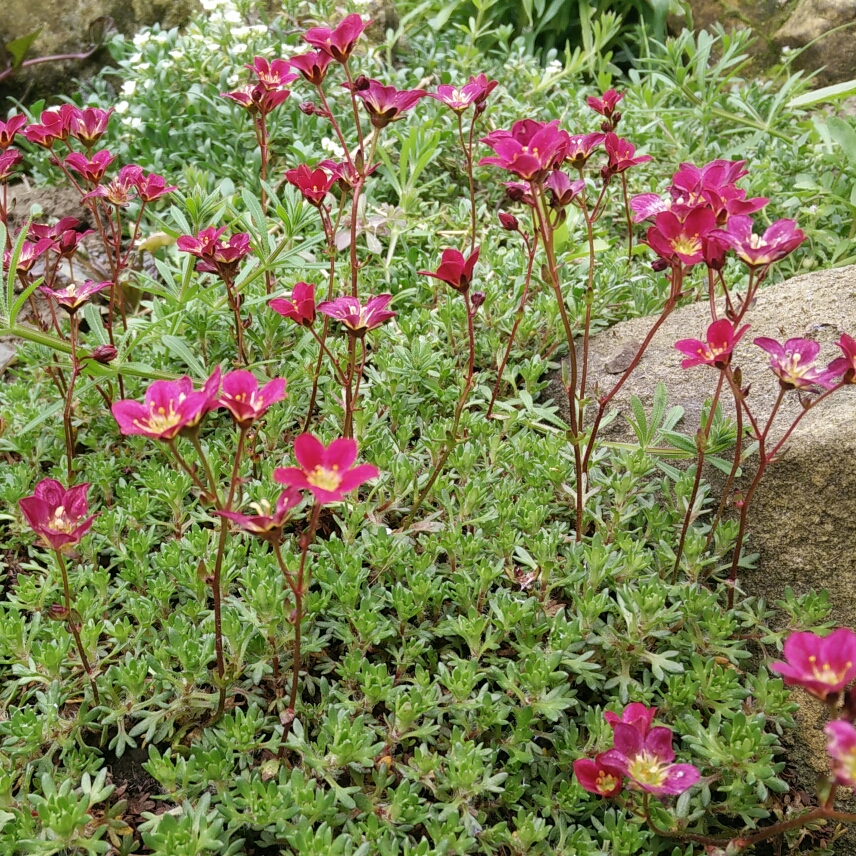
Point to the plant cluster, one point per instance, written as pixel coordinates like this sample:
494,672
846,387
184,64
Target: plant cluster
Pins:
408,655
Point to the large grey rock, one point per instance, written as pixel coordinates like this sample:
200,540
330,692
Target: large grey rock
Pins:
812,21
802,519
66,28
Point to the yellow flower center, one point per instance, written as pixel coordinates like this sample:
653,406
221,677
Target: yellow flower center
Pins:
648,770
324,478
161,419
687,245
59,522
827,675
605,782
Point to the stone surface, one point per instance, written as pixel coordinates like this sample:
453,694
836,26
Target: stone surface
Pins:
66,27
802,519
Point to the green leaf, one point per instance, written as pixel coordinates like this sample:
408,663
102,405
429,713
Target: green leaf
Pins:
19,48
843,134
824,94
181,350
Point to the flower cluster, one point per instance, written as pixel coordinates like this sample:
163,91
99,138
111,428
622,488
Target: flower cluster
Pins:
642,754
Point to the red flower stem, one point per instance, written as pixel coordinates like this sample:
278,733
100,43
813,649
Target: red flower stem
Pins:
629,218
303,581
124,261
355,108
348,429
72,626
701,445
359,374
69,398
3,210
340,375
531,247
233,298
711,292
352,248
468,157
337,130
543,224
589,295
471,336
170,444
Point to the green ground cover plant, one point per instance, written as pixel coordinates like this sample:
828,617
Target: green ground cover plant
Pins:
317,565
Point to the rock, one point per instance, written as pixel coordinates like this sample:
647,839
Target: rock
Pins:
801,520
69,27
8,354
834,53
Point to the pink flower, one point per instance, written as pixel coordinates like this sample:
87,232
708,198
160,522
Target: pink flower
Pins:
792,362
691,180
243,398
581,147
819,664
346,176
635,714
119,191
460,99
605,105
58,515
37,231
266,525
339,43
10,129
73,296
29,255
257,99
214,254
508,222
170,407
674,240
152,186
716,351
529,150
386,104
326,471
314,184
55,125
455,269
91,169
357,318
272,75
301,307
842,751
487,86
563,191
845,365
620,155
312,65
646,759
646,206
755,251
89,125
8,161
597,777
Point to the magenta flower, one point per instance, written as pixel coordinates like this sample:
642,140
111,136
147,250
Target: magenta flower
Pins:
563,191
621,155
819,664
792,362
314,184
122,189
91,169
646,206
55,125
647,760
455,269
266,524
581,147
346,175
716,351
312,66
326,471
508,222
169,408
635,714
460,99
675,240
339,43
691,180
758,251
73,296
8,161
272,75
842,751
216,255
38,231
529,150
358,319
152,186
301,307
29,255
89,125
255,98
58,515
597,777
605,105
487,85
845,365
10,129
386,104
243,398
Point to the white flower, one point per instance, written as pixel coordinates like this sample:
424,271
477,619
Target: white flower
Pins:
177,54
144,66
240,32
161,38
232,16
135,58
332,147
129,87
122,107
141,39
133,122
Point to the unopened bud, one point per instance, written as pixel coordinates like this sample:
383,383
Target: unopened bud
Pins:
104,354
361,83
56,612
659,265
248,321
509,222
606,127
477,297
308,107
616,118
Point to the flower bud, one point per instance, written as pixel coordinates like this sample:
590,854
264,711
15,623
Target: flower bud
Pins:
477,297
616,118
509,222
308,107
659,265
57,612
362,83
104,354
